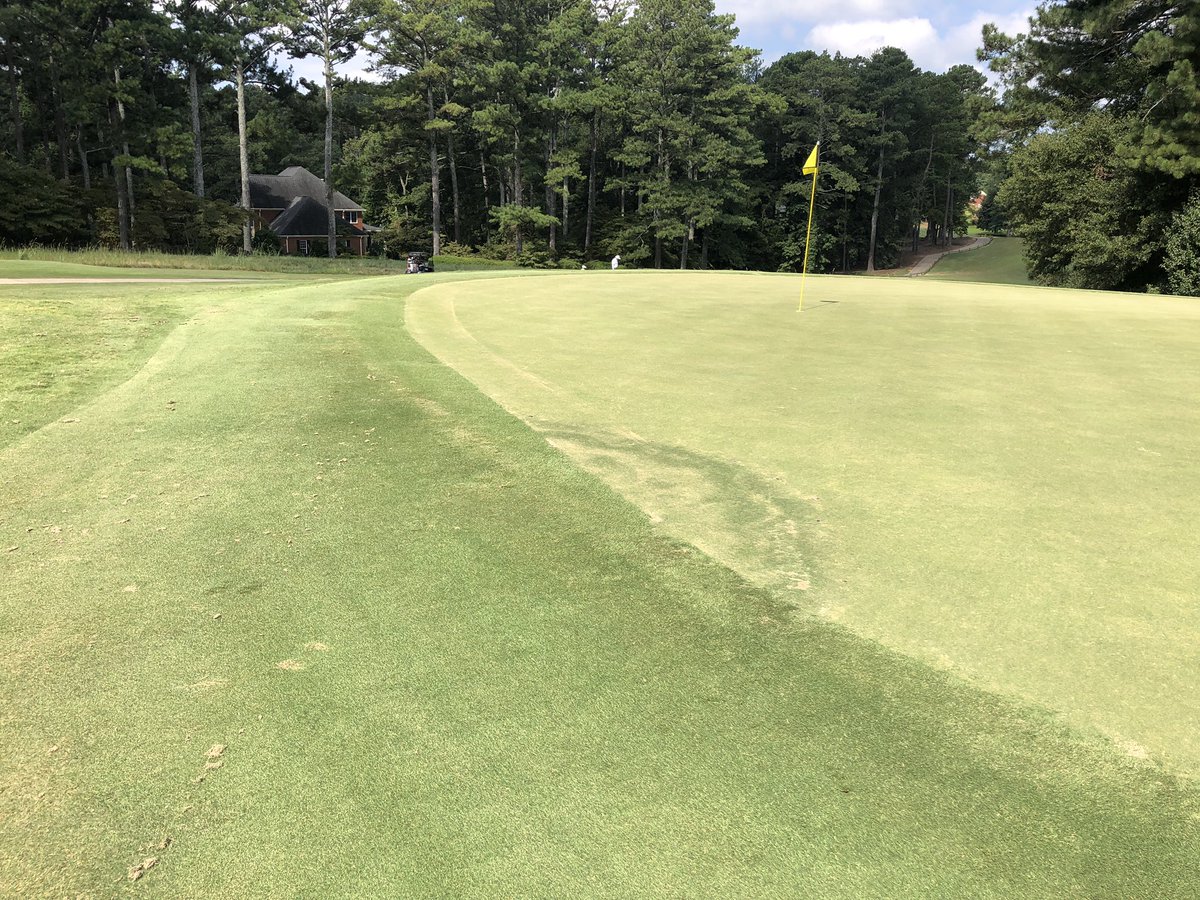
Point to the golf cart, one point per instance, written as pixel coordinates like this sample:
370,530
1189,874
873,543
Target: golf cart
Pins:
418,263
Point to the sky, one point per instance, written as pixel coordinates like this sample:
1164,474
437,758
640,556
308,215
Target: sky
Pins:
936,35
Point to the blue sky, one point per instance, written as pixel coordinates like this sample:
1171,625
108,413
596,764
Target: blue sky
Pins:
936,35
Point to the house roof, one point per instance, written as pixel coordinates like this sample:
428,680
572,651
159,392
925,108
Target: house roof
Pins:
308,217
279,191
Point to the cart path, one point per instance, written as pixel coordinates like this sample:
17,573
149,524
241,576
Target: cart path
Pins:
927,262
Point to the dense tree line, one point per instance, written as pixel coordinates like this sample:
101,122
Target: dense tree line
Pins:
546,131
1098,138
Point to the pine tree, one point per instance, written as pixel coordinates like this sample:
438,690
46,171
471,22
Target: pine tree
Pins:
332,31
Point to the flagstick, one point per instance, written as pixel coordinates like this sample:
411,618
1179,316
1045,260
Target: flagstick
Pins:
807,240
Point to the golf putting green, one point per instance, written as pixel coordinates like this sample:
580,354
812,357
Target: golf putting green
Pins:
999,481
288,607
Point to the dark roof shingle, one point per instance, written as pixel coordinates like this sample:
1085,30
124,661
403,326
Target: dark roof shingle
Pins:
280,191
308,217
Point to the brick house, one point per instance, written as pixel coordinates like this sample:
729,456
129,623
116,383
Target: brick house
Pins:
292,204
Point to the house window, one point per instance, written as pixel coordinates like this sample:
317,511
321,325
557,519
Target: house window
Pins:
302,247
353,215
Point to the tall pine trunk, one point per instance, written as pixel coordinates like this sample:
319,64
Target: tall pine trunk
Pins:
15,102
331,219
591,201
124,172
947,227
83,160
518,188
86,170
243,157
434,176
551,205
920,192
845,234
197,152
452,159
60,122
487,201
666,169
119,182
875,212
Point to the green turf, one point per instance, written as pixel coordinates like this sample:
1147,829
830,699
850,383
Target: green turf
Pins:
1000,262
149,264
39,262
25,269
500,678
999,481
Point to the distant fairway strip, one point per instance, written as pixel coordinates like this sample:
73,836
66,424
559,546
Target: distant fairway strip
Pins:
289,608
998,481
6,282
1000,262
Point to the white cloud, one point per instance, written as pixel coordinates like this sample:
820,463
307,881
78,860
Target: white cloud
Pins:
969,34
754,12
313,68
916,36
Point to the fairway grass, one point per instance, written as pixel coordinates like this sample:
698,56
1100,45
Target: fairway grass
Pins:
998,481
1000,261
291,608
61,343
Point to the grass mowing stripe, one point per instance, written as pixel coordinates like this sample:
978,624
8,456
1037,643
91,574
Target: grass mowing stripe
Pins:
59,344
500,677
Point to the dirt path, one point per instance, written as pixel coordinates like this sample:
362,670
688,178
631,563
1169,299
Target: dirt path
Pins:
8,281
925,263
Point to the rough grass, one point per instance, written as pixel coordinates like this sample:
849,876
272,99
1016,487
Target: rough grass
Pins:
60,343
26,269
218,262
91,263
998,481
293,609
1000,262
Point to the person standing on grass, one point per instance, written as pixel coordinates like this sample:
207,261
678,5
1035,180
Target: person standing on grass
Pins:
616,262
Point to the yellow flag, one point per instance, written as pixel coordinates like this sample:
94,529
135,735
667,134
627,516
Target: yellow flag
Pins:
810,167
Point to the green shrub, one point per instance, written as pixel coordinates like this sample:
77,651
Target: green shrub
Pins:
446,263
37,208
498,248
399,238
536,259
266,242
1181,263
